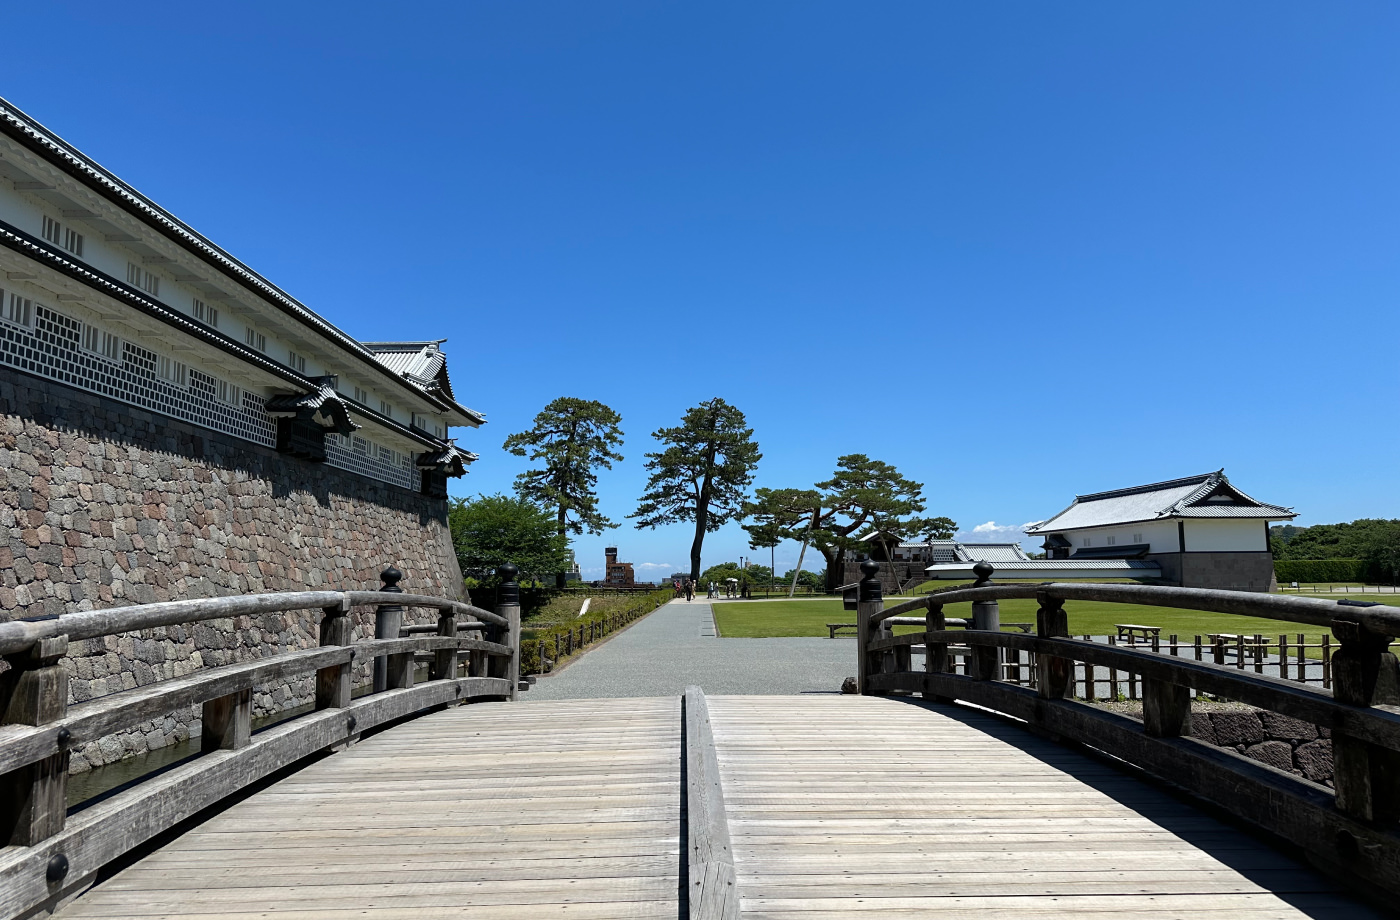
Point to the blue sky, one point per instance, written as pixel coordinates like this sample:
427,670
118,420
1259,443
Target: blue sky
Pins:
1020,250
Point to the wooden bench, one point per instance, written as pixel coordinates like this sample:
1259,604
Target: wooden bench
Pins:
1133,630
833,627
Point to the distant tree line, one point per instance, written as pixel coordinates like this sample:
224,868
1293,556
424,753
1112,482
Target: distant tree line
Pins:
1373,543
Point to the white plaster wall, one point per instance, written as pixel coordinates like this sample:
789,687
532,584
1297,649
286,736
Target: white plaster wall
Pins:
1225,535
26,211
1161,536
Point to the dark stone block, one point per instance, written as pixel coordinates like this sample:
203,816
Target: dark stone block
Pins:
1283,728
1274,753
1315,760
1203,727
1235,728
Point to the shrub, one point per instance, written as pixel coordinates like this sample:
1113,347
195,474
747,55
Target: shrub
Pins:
611,614
1315,570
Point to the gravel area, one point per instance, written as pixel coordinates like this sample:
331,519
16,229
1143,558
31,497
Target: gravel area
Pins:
668,650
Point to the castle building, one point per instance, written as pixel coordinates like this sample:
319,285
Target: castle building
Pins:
1199,532
175,425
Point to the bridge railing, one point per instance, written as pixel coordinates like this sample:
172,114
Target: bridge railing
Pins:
48,855
1349,829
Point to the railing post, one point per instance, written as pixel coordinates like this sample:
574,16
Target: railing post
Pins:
391,671
935,653
508,606
1166,708
445,659
1366,776
33,799
1054,675
869,603
986,616
226,723
333,683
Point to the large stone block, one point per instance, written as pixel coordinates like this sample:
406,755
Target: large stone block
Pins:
1234,728
1277,754
1315,760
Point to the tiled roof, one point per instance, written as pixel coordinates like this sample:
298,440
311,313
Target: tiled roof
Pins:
1209,495
322,400
422,364
451,459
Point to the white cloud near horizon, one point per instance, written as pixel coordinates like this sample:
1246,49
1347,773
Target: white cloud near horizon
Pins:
992,532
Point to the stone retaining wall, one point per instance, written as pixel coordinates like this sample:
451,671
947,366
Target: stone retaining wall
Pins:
105,505
1279,741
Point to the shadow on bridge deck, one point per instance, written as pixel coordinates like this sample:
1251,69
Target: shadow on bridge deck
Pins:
836,807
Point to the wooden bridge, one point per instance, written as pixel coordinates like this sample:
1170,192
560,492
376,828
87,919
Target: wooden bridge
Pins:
897,802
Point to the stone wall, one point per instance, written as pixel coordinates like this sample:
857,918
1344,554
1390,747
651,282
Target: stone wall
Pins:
105,505
1294,746
1230,571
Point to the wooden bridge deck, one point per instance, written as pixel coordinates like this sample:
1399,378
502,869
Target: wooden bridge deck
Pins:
837,807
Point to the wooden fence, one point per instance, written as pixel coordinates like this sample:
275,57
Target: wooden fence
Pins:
1287,655
1351,831
52,856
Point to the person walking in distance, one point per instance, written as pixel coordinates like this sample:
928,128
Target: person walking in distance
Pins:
689,590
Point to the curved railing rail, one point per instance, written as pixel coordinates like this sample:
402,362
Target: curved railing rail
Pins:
51,856
1349,829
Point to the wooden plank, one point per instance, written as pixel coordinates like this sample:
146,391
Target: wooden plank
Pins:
420,837
712,894
853,804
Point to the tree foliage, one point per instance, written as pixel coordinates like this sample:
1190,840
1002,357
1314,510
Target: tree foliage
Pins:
753,575
862,494
573,437
702,475
1374,541
491,530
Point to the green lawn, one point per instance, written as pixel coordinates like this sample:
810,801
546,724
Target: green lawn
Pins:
759,619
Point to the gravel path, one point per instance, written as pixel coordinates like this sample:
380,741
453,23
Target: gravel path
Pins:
669,650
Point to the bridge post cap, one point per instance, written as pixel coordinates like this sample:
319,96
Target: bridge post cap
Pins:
869,588
508,571
390,579
983,571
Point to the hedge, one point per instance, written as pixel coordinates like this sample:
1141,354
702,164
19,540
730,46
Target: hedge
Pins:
1318,570
575,635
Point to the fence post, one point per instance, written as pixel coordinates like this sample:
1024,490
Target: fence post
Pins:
1364,673
33,799
333,683
388,623
986,615
869,602
1054,675
508,606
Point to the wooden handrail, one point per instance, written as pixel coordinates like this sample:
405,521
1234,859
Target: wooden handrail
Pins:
20,635
48,857
1314,611
1351,831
